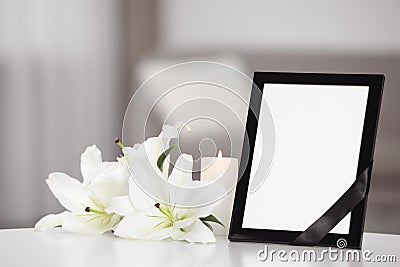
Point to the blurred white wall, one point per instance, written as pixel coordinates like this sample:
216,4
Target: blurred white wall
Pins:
60,90
356,26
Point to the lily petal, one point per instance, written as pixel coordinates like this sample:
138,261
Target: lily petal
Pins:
181,175
69,192
139,161
143,225
153,147
139,199
110,181
144,174
197,232
50,221
90,162
89,223
168,132
185,222
120,205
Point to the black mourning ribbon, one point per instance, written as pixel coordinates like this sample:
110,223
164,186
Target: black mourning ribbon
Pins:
345,204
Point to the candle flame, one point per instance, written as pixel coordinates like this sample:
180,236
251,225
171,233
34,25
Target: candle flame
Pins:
220,154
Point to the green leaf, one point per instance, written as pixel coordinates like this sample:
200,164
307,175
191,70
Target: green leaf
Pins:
211,218
163,156
209,226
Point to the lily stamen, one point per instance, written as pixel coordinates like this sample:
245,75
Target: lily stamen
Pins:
89,209
167,211
119,143
188,129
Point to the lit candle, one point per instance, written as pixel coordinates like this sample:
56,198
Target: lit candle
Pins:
224,171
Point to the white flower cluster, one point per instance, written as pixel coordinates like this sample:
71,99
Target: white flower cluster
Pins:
109,199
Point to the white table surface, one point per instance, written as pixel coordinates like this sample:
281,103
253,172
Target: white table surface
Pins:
25,247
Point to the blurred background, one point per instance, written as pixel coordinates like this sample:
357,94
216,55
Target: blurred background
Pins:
69,67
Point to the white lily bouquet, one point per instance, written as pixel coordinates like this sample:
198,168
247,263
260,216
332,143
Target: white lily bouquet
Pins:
109,199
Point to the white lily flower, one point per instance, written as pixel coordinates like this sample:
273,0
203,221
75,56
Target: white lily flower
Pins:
87,202
155,146
145,218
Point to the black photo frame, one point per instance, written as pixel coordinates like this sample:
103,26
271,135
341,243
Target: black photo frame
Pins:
369,130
